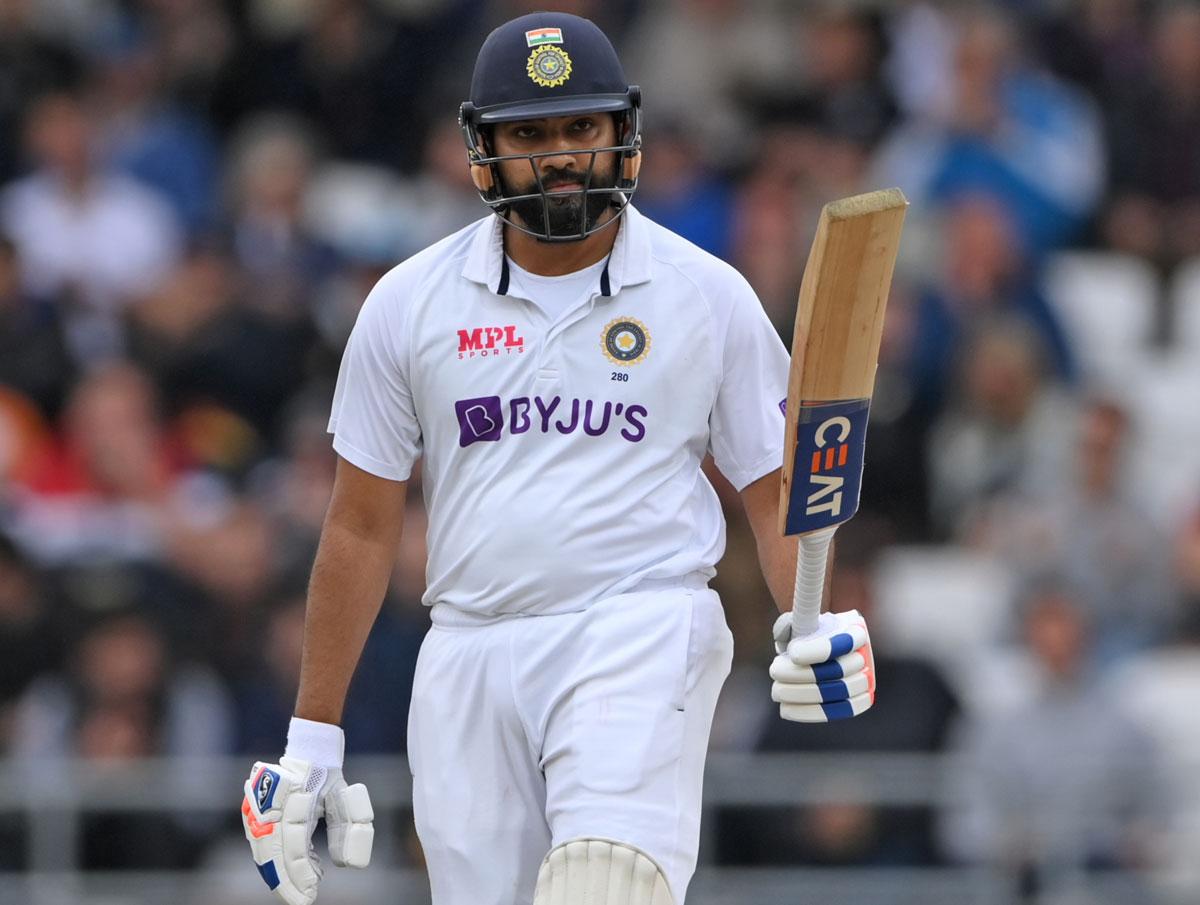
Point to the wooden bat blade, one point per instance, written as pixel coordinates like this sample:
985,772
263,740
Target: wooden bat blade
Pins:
835,349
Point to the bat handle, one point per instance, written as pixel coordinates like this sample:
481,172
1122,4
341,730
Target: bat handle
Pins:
810,581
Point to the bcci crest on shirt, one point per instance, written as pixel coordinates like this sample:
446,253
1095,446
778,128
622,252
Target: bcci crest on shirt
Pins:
625,341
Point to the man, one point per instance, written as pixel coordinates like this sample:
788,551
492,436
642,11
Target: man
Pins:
562,367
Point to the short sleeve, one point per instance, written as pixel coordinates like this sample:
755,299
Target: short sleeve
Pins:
374,420
747,421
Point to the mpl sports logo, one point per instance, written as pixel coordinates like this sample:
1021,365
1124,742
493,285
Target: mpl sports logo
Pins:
483,419
828,464
490,342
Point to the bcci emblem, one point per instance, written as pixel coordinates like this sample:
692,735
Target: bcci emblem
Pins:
549,66
625,341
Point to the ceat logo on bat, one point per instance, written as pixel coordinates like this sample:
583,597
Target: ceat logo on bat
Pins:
831,453
828,463
485,342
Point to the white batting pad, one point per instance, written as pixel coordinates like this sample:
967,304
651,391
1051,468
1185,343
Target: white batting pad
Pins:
600,872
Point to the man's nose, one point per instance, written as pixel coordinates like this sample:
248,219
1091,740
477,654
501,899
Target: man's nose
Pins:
565,156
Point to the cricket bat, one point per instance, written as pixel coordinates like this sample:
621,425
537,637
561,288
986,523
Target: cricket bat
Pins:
835,350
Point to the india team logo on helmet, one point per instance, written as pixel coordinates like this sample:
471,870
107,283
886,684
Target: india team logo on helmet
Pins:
549,66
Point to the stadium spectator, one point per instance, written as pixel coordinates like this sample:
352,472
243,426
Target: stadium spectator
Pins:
982,275
86,235
347,68
207,345
374,217
1008,430
1011,132
124,697
104,493
1090,529
25,439
34,359
29,634
677,190
270,167
1153,124
1060,783
266,686
229,553
32,63
293,488
1174,670
772,217
194,40
843,92
145,134
703,58
1099,45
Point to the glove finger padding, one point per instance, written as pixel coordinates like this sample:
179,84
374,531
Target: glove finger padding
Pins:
784,670
279,812
348,821
826,713
821,647
828,675
821,692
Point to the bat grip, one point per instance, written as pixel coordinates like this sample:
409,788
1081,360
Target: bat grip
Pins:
810,581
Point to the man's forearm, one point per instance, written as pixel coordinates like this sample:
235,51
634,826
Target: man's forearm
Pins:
777,558
349,580
777,553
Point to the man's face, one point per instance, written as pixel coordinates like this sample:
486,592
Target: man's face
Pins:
567,142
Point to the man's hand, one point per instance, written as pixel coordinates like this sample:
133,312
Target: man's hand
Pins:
828,675
282,805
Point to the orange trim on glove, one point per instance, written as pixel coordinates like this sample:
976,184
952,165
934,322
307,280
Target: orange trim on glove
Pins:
257,830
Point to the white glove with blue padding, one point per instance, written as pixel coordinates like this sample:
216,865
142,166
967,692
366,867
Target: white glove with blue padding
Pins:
284,801
828,675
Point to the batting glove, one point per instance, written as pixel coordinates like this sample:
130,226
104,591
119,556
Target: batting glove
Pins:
828,675
281,807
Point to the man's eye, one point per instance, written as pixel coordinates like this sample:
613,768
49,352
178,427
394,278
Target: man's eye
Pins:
525,132
583,125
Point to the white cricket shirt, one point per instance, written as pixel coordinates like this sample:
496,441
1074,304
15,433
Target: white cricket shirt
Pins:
562,459
554,295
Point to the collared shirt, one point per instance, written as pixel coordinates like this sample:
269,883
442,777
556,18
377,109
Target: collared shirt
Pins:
561,460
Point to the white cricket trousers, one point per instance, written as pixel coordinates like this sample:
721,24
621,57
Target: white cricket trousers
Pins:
527,731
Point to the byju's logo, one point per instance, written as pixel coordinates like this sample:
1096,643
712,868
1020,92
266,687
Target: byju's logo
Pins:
482,418
479,419
485,342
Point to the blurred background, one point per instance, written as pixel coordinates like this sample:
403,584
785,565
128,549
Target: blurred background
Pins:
195,197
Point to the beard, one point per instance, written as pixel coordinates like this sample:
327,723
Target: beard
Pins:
570,214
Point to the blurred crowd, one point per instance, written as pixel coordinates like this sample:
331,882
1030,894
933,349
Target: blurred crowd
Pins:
196,195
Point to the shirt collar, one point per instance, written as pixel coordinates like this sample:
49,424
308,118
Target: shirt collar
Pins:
628,264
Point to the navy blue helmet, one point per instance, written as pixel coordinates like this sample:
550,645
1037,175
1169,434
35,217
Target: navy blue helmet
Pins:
545,65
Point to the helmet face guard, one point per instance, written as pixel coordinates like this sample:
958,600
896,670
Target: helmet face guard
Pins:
485,172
